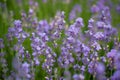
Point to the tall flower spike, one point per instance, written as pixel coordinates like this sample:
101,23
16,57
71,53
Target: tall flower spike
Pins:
18,25
79,22
1,43
112,53
117,61
73,14
25,68
116,75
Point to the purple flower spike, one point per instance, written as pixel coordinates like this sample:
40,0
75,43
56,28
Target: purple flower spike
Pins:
99,36
91,23
117,61
116,75
100,69
73,31
25,67
1,43
112,53
18,25
100,24
79,22
73,14
96,46
95,9
78,77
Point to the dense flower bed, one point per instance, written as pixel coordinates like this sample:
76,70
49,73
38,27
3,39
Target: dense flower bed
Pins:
56,50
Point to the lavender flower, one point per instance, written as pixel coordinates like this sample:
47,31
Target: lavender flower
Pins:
48,63
18,25
95,9
43,26
85,60
73,31
100,68
112,53
25,67
78,77
118,8
79,22
91,23
96,46
65,59
76,9
116,75
76,67
92,66
1,43
62,50
100,24
117,61
99,36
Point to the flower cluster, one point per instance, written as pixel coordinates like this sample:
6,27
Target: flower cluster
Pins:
56,51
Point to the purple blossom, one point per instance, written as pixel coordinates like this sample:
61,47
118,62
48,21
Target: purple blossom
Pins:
78,46
112,53
76,67
71,40
85,60
44,37
79,22
56,35
91,23
101,4
1,43
106,16
110,32
96,46
43,26
116,75
76,9
73,31
21,69
18,25
118,8
100,24
107,27
85,50
10,34
92,67
100,69
95,9
89,33
37,62
78,77
25,67
117,61
103,59
82,68
67,75
31,11
65,59
99,36
72,15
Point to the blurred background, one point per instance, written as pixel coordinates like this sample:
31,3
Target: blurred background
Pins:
11,10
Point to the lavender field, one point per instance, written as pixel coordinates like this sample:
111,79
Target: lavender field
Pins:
59,39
